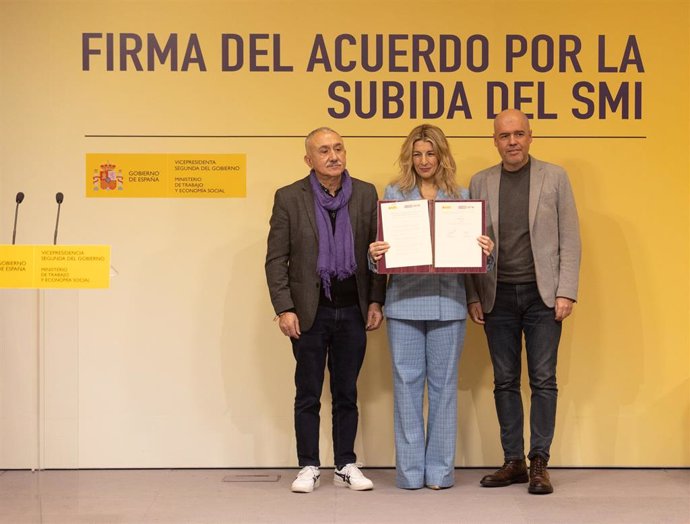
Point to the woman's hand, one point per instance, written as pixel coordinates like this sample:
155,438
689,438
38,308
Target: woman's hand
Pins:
486,244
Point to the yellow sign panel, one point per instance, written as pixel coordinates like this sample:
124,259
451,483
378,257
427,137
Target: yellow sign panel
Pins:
16,266
160,175
54,267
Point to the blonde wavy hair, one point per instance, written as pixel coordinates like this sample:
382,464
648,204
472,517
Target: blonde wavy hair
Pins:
445,173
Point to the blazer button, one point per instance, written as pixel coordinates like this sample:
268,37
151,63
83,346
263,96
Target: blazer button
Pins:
318,285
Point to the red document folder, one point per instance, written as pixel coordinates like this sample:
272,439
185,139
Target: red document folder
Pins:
381,264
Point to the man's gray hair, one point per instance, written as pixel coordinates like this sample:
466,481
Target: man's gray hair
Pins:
315,131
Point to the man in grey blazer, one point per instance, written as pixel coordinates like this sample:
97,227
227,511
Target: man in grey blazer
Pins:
325,298
532,218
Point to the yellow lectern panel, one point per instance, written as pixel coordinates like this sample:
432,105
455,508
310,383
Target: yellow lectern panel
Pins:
54,267
16,266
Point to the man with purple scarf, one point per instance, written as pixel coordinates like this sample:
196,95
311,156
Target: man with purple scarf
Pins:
325,298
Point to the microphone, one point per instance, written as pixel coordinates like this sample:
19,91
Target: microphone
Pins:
59,197
19,200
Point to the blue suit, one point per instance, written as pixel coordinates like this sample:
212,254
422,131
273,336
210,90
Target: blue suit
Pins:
426,317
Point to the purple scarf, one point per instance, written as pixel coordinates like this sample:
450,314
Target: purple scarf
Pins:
336,250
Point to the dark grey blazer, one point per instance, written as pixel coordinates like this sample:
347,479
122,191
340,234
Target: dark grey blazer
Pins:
553,229
293,248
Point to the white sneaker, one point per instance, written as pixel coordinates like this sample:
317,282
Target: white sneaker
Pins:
351,476
307,480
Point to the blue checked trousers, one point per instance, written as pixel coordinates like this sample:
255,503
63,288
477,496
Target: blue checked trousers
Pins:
425,352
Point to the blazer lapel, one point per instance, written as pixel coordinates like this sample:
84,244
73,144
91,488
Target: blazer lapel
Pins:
352,210
493,181
308,199
536,180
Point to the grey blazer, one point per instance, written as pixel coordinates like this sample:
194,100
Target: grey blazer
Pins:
293,247
553,227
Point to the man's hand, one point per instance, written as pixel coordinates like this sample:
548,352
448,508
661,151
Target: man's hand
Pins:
476,313
289,324
377,250
564,307
374,316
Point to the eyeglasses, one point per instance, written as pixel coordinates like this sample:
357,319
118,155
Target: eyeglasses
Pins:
517,135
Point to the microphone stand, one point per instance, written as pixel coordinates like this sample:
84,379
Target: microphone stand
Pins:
19,200
58,198
14,230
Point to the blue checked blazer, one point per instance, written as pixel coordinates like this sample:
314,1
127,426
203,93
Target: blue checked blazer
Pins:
425,297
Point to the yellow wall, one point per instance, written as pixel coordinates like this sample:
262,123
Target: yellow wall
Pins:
179,364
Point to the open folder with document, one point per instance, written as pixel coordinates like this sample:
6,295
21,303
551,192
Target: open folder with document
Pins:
432,236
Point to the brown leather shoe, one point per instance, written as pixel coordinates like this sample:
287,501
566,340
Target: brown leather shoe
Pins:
539,481
512,472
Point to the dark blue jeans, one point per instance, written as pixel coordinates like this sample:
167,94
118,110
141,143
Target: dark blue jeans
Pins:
338,339
519,309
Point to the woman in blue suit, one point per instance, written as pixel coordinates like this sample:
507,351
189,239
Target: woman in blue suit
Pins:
426,317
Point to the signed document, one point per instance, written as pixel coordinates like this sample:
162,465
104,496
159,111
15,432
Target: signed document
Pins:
428,236
457,226
407,229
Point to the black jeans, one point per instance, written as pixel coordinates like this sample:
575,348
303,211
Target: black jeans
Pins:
337,338
519,309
